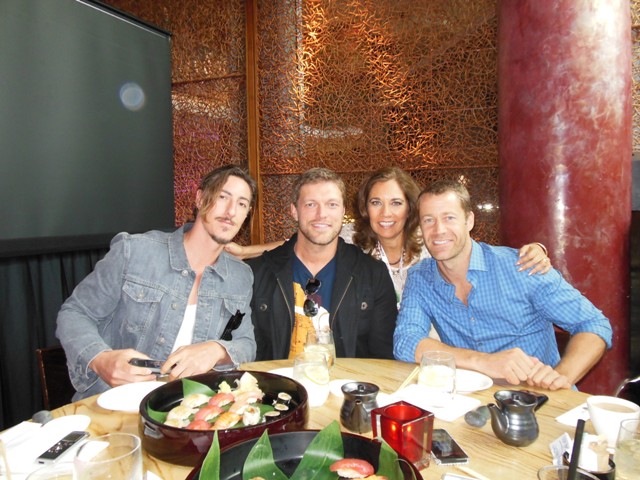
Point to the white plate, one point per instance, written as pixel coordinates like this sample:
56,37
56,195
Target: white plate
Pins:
468,381
285,372
127,398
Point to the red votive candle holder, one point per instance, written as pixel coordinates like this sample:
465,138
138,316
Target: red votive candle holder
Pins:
407,429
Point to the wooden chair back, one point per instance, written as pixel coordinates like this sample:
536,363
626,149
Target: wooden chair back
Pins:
57,389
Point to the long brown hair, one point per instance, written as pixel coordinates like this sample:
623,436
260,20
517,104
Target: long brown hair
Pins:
212,183
364,235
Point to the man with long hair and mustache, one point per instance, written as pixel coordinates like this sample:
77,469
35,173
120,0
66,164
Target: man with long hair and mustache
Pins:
175,297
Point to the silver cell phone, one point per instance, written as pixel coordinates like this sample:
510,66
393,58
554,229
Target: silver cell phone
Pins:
153,365
445,450
62,446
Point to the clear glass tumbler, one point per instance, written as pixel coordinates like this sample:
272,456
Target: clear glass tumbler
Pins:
311,370
322,342
438,374
111,456
627,456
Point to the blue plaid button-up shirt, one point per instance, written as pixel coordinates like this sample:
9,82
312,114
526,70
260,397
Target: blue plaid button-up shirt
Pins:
506,308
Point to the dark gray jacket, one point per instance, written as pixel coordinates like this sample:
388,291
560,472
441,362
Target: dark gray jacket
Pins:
363,311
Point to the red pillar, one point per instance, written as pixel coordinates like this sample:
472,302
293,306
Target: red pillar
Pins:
564,103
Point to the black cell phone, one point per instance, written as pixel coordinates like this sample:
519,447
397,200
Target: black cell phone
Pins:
61,447
445,450
154,365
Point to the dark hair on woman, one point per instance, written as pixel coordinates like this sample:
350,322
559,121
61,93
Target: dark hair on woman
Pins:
364,235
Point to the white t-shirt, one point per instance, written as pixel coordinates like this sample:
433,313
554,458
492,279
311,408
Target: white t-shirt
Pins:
185,334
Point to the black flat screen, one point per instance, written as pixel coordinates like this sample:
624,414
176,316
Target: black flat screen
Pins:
85,126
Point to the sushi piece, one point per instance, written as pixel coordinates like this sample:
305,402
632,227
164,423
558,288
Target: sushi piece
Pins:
195,400
177,422
221,399
208,412
181,412
284,397
281,407
199,425
251,415
352,468
271,415
226,420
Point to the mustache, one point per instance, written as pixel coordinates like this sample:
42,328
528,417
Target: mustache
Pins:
226,219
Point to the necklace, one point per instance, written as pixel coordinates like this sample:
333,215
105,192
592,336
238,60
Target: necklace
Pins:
383,257
397,261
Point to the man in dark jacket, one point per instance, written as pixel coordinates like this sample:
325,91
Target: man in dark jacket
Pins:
315,281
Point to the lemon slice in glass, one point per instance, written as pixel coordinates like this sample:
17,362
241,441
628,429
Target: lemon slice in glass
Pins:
317,374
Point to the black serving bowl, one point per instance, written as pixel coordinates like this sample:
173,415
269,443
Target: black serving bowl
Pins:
186,447
288,449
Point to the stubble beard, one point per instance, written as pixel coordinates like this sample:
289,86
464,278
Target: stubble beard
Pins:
224,240
219,240
447,256
314,240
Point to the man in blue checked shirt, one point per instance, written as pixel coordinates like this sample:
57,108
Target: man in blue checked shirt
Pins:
494,319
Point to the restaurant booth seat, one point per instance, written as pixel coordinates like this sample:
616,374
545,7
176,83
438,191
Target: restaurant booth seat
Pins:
57,389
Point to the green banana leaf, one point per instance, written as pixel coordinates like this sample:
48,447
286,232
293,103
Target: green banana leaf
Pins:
388,463
189,387
211,466
260,462
325,449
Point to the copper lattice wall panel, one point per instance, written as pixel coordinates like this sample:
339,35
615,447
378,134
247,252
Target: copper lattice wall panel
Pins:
355,85
351,85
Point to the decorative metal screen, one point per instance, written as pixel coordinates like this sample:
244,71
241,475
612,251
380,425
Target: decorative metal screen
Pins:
355,85
350,85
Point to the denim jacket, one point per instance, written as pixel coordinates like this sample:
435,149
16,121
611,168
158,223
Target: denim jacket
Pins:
136,298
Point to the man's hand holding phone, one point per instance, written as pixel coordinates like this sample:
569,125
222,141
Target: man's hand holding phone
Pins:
114,368
153,365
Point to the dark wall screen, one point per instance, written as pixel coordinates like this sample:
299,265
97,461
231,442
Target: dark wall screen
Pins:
85,126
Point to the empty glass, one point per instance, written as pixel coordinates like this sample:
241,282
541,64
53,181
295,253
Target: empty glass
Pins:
560,472
111,456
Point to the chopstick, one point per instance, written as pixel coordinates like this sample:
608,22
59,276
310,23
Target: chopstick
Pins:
410,378
473,473
3,453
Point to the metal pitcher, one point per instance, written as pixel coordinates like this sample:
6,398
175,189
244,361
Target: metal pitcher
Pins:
359,400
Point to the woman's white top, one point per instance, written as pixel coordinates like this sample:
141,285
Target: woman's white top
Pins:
398,273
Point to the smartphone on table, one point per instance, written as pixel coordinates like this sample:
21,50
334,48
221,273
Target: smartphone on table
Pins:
445,450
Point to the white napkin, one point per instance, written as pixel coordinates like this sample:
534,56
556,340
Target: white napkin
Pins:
571,417
25,444
418,395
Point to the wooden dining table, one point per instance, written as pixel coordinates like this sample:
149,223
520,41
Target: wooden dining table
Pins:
489,457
